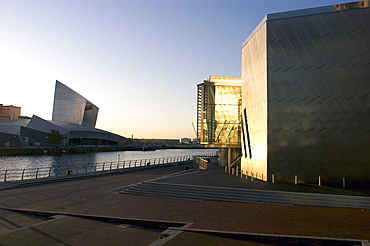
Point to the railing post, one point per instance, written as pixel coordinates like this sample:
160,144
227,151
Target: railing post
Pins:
344,182
110,167
23,173
103,166
77,169
49,173
37,172
5,175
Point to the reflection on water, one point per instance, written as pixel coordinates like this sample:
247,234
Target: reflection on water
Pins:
59,164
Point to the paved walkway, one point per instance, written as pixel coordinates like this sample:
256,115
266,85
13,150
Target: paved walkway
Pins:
94,196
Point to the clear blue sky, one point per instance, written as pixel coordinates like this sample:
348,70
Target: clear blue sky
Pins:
139,61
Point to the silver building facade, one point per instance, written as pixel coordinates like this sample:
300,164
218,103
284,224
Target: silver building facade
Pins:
305,95
71,107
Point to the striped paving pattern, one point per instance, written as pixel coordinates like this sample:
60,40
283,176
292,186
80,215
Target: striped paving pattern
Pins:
195,192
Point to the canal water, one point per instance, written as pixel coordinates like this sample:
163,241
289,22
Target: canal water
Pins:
71,161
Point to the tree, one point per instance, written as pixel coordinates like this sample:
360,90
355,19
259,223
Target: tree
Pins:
55,138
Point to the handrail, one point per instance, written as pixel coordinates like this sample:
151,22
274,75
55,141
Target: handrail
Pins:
9,175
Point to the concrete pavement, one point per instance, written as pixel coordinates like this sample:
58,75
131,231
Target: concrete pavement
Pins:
96,197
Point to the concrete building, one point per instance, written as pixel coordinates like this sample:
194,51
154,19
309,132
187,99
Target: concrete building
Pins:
306,95
69,106
9,112
2,115
218,116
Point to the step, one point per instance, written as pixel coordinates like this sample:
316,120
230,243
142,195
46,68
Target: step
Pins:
246,195
305,197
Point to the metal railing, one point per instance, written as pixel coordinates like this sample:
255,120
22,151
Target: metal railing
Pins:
45,172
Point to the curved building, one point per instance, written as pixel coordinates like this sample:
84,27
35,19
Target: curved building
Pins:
73,122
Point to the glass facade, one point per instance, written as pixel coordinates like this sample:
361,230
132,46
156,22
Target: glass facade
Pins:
219,101
69,106
306,95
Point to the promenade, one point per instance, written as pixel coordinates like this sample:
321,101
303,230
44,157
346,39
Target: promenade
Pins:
91,211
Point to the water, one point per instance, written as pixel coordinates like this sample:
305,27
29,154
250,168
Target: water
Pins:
58,165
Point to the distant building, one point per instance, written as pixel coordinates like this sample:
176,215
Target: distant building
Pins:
218,116
74,118
157,141
69,106
9,112
306,95
185,140
2,115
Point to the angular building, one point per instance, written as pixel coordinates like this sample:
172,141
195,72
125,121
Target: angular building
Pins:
71,107
306,95
74,119
218,116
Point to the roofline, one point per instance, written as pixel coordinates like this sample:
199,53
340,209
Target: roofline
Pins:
309,11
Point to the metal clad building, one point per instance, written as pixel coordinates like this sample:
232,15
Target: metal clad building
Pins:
306,102
69,106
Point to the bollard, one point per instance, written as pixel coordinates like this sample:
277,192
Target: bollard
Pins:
295,179
246,174
344,182
23,173
237,172
241,174
5,175
225,169
232,171
319,180
37,172
273,178
49,173
251,177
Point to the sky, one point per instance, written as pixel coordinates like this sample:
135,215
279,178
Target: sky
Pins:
139,61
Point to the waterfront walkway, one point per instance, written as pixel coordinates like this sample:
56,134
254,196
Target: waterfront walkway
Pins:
91,211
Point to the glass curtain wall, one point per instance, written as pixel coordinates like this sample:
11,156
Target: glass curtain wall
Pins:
219,101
